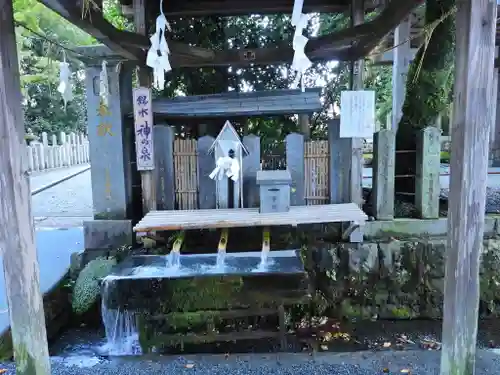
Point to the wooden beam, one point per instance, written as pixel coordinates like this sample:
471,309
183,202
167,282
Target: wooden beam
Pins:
340,45
17,237
92,21
369,34
472,119
182,8
148,185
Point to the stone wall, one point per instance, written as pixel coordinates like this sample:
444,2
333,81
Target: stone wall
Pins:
394,279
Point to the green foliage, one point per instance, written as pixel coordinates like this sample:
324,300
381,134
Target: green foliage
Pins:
430,78
86,290
39,67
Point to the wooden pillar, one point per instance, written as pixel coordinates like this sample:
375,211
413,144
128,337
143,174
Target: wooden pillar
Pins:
17,238
357,70
304,126
357,67
148,185
400,65
472,117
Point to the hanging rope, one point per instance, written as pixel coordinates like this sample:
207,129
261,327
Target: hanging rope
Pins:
157,57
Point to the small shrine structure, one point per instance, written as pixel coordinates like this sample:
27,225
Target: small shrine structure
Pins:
124,181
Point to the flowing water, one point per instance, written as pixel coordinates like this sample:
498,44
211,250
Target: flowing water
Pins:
174,259
221,259
122,337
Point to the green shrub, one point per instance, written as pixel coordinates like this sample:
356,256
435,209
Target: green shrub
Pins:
87,289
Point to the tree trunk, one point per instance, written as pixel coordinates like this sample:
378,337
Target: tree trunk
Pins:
428,85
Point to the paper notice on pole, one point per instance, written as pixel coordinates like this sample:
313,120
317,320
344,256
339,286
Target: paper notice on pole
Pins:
357,114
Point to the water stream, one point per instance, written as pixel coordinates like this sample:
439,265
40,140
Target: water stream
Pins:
220,263
174,259
122,337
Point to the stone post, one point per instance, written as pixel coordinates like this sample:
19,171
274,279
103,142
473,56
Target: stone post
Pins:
295,164
110,147
206,164
384,155
427,186
251,164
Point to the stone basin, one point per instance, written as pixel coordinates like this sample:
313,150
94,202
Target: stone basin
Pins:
145,283
198,265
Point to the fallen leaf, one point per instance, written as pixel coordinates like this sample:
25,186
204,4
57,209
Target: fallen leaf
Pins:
189,365
2,370
386,370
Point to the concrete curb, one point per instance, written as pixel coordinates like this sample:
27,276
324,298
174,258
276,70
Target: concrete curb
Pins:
56,182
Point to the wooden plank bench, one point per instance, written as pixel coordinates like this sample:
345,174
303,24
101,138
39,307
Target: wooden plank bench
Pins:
156,221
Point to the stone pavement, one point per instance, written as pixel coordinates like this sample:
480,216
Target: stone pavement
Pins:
71,198
40,179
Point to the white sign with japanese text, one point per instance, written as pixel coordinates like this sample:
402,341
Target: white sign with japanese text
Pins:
143,125
357,114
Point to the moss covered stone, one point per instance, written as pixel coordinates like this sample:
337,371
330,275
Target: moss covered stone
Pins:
203,293
395,279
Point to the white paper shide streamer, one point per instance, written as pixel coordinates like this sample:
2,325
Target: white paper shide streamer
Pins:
226,166
300,61
104,84
157,57
64,81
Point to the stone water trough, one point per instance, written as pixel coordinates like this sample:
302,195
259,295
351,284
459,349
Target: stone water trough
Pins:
196,300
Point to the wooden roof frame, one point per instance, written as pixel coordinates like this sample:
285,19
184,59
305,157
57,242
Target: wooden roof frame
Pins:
351,43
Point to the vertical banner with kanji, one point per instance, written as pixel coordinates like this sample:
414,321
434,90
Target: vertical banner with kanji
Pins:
143,124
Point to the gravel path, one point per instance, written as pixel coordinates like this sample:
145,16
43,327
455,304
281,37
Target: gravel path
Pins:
360,363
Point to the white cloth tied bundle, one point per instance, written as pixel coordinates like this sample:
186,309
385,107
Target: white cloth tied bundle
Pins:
64,82
300,61
226,166
104,85
157,57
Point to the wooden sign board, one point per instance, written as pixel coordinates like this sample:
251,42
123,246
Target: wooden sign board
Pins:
357,114
143,126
